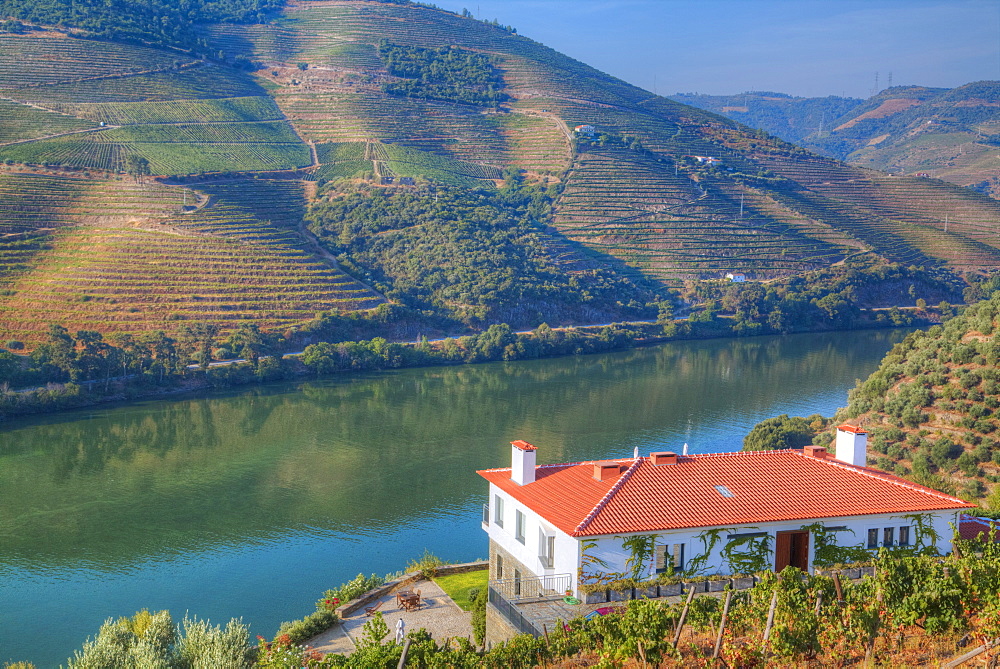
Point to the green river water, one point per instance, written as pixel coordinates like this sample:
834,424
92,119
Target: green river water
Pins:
250,504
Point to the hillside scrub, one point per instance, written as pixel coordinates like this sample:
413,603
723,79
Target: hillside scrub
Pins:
831,298
784,432
157,21
449,73
477,256
931,407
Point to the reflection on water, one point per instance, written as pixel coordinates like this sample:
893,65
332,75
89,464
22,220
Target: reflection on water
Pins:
252,503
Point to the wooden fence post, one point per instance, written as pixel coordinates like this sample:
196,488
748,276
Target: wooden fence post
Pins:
870,650
722,625
770,616
839,587
402,658
684,613
951,664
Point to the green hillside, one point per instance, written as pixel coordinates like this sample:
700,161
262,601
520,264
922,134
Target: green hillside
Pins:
350,97
932,407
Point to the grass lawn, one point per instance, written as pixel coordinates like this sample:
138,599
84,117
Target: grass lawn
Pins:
458,585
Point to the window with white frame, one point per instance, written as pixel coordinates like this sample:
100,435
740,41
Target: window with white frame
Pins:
669,558
904,535
873,537
499,566
519,526
887,535
546,548
498,510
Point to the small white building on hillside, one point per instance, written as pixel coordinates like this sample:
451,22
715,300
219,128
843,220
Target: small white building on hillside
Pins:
726,513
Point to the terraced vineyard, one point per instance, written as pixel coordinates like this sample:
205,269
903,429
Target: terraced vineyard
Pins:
122,257
665,190
22,122
181,116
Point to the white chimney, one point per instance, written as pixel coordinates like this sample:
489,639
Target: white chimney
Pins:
852,445
522,462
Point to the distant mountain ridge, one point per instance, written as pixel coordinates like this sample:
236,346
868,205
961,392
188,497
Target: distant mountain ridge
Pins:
789,117
946,133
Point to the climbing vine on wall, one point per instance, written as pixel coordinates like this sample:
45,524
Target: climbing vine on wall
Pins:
588,561
925,537
827,550
640,547
748,553
709,540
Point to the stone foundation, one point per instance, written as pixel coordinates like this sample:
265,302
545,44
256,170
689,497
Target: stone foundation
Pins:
498,628
509,563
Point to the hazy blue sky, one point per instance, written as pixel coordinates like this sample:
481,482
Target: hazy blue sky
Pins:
800,47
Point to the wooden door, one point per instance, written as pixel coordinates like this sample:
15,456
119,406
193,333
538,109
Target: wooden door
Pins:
791,549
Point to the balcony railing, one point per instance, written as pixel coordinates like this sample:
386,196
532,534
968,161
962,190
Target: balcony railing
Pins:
533,587
509,611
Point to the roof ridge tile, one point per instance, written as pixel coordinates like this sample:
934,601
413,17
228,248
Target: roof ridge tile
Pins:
608,495
884,476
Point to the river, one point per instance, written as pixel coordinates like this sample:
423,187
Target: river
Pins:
251,503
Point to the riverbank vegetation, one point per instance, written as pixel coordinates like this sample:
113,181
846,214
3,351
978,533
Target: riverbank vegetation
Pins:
82,368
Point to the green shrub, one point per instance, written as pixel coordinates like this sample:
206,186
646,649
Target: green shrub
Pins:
479,602
427,565
308,627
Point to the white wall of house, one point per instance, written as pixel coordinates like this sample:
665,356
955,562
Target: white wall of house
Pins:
565,557
610,548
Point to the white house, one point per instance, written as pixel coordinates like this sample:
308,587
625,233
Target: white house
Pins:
736,277
706,514
585,129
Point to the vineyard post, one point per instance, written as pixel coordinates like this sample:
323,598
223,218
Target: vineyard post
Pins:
546,633
402,658
951,664
819,603
684,613
722,624
839,587
770,616
870,650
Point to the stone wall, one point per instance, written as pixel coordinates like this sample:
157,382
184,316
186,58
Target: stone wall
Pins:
509,563
498,628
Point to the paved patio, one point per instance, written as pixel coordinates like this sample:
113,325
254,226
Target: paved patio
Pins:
439,615
548,613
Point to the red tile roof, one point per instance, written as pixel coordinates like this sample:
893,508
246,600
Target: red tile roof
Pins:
714,490
972,527
523,445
